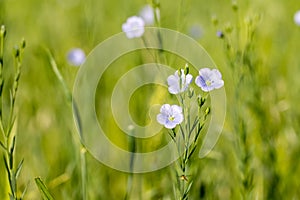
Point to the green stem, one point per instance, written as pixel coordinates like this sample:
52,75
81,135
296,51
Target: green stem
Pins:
69,97
83,172
2,35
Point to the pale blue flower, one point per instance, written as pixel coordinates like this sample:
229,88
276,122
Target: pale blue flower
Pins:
170,116
76,57
147,13
134,27
196,31
209,79
297,18
179,83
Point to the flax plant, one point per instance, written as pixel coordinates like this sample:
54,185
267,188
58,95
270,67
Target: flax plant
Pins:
186,121
244,62
8,120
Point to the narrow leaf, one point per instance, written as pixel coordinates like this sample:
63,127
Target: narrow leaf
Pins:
198,132
6,165
12,149
2,145
11,126
20,165
194,126
193,150
24,191
43,189
185,196
13,183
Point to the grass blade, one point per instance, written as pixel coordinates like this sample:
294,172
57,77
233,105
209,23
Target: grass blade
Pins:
43,189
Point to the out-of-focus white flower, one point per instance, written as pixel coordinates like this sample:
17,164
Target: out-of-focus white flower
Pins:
179,82
195,32
297,17
147,13
76,57
209,80
170,116
134,27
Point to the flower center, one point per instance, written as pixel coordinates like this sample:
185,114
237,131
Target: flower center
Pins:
135,26
208,82
171,118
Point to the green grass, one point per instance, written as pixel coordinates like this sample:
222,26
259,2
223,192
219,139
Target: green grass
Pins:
264,107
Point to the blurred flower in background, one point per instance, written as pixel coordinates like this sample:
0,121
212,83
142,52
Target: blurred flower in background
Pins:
134,27
209,80
76,57
195,31
297,17
147,13
220,34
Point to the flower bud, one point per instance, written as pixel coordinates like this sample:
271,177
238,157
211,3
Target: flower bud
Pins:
23,43
234,6
186,69
207,111
201,101
16,51
2,31
214,20
155,3
228,28
191,93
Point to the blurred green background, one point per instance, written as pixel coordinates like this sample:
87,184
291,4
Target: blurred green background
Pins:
267,103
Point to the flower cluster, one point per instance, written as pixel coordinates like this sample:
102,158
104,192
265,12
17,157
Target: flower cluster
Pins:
207,80
190,123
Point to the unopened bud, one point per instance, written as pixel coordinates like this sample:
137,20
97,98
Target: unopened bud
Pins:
201,101
155,3
23,43
186,69
191,93
207,111
214,20
234,6
16,51
2,31
228,28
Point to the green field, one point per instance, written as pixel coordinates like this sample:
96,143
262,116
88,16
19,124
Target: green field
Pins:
255,45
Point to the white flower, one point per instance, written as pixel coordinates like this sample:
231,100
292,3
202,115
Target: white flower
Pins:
76,57
179,84
209,79
170,116
134,27
147,13
297,17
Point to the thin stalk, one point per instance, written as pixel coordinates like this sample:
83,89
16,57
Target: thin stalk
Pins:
9,143
2,36
69,97
83,172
